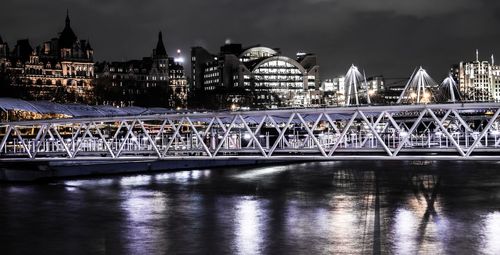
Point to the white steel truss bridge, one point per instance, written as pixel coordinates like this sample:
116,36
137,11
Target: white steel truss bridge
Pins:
467,131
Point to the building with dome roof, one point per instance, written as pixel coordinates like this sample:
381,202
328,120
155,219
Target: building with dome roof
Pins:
61,69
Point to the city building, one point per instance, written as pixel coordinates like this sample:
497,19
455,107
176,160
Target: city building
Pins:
256,76
375,85
334,91
478,80
158,80
61,69
199,58
327,85
376,89
177,80
4,54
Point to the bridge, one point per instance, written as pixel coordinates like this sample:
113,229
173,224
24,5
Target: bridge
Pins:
458,131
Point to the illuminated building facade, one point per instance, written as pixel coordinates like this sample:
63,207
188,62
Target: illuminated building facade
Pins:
61,69
257,76
177,81
375,84
479,80
158,81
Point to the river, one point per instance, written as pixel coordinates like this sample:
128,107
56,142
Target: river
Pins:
305,208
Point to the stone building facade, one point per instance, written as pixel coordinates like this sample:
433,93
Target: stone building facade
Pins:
61,69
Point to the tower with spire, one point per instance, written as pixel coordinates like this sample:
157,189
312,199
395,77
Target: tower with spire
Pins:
156,80
160,57
67,37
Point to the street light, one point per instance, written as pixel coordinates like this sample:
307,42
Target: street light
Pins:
247,136
413,96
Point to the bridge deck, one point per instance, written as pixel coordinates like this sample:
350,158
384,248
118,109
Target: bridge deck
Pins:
402,132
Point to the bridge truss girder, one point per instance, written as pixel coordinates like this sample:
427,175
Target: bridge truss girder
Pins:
448,131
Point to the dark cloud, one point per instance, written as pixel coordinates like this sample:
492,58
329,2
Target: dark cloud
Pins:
388,37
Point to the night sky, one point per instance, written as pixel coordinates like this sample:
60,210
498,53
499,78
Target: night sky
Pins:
388,37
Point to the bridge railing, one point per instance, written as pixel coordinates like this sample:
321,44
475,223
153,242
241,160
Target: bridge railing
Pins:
461,131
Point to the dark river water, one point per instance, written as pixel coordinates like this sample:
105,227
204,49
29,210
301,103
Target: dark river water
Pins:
307,208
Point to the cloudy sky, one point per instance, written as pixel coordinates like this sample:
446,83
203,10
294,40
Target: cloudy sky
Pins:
388,37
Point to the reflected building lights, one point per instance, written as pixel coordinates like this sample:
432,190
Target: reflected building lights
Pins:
142,208
491,233
70,188
135,180
250,228
261,172
183,175
343,220
420,228
73,184
405,232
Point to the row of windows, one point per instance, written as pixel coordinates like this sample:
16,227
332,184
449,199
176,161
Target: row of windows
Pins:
281,85
278,78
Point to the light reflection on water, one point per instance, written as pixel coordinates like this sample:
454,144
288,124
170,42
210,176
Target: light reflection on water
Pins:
492,233
405,231
310,208
144,210
261,172
250,227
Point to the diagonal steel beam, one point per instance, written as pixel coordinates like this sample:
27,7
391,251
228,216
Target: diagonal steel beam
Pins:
101,136
393,122
377,121
329,119
311,134
375,133
465,125
281,134
18,134
445,116
257,130
462,121
77,149
276,126
445,131
221,124
61,140
162,127
176,133
224,137
75,134
117,132
484,132
315,124
153,143
207,150
410,131
209,126
6,137
131,127
249,130
40,139
122,145
344,132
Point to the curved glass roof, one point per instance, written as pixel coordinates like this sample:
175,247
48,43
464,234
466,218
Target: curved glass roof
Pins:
257,53
75,110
